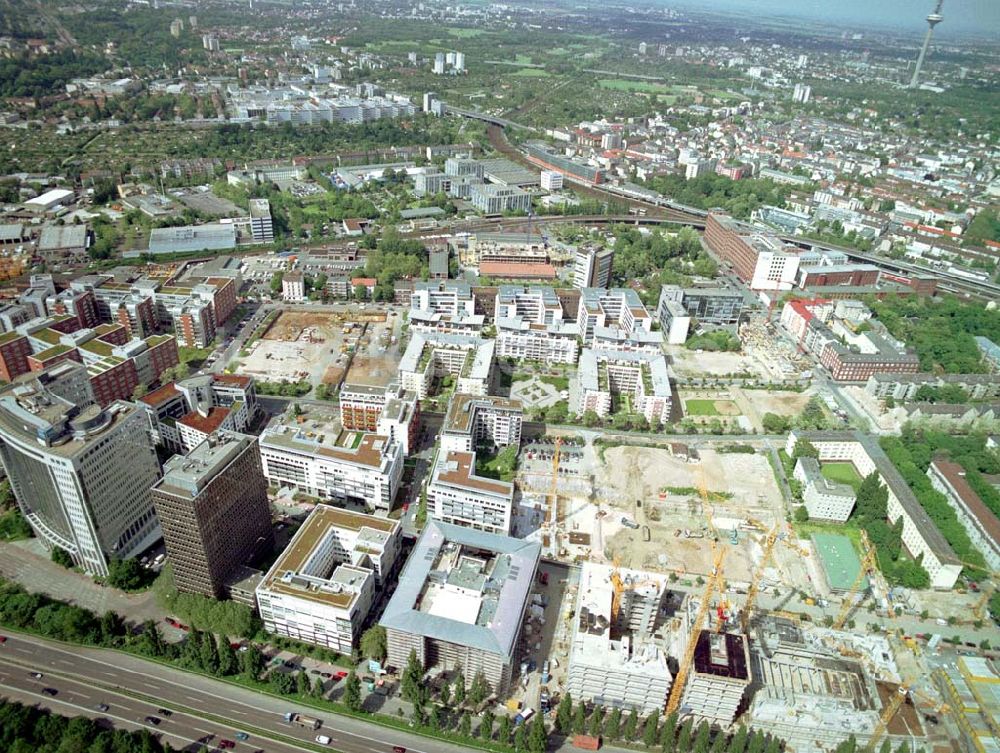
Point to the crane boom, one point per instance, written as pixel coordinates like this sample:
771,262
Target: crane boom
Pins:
754,589
553,492
684,668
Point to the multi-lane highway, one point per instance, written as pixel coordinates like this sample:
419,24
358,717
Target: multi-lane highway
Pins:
204,710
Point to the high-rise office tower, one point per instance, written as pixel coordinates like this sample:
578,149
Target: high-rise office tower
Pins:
593,267
81,476
212,504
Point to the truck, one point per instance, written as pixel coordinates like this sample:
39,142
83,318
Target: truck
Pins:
293,717
586,742
523,716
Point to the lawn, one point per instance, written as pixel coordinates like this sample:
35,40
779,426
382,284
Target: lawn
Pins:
193,356
464,33
701,408
845,473
532,73
635,86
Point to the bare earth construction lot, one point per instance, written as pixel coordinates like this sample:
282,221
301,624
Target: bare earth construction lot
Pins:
297,346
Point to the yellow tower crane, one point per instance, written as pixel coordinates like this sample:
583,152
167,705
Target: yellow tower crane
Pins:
869,565
713,584
769,542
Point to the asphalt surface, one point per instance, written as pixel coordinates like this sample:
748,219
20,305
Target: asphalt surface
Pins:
86,677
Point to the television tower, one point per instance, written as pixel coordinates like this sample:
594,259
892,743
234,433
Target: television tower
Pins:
932,20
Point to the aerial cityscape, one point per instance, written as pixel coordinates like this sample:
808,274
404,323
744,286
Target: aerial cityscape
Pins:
385,376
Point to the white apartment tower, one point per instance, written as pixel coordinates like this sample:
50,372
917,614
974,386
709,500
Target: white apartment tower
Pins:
261,225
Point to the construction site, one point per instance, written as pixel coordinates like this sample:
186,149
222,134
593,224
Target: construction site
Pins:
684,566
321,347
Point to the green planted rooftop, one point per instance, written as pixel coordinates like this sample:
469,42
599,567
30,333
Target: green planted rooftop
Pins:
840,562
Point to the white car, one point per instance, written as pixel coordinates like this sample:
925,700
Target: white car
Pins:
323,739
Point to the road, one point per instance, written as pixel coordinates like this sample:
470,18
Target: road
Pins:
85,677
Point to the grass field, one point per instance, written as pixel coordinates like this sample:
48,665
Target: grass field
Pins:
522,59
650,87
533,73
464,33
701,408
842,472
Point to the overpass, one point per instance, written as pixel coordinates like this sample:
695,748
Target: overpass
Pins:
485,117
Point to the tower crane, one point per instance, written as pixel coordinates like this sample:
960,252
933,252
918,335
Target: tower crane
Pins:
754,589
713,584
869,565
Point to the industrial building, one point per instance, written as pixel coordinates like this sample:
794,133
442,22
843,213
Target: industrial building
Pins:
618,660
461,602
66,468
322,587
920,536
456,494
213,508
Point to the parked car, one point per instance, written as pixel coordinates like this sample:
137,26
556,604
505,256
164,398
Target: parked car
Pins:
155,721
102,707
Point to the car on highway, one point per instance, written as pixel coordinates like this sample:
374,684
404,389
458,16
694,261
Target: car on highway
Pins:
3,639
154,720
102,707
398,749
37,675
50,691
241,736
323,739
164,712
227,744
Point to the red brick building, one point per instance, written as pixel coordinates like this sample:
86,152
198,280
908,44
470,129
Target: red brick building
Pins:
841,274
51,356
14,352
224,301
116,382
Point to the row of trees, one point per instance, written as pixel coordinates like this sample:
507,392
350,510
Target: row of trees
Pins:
737,197
29,729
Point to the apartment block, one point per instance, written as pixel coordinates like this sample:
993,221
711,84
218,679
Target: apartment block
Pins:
321,588
14,352
400,418
444,306
644,377
616,320
428,356
361,405
719,678
921,536
213,508
261,225
592,267
457,495
903,387
824,499
461,601
313,462
473,421
976,518
293,287
616,660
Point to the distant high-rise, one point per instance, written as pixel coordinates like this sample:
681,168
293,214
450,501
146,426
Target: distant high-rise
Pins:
932,20
460,61
81,476
802,93
439,63
593,267
213,507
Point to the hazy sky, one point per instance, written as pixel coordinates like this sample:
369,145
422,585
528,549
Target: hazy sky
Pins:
977,16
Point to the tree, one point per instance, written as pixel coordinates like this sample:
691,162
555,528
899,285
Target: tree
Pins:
251,662
579,719
459,689
434,717
411,683
486,725
537,738
140,391
418,715
631,726
591,419
702,738
302,686
503,730
519,738
127,575
650,730
282,683
465,724
775,424
208,654
613,724
480,689
276,283
318,689
373,643
61,557
596,722
738,742
445,694
805,449
564,714
801,514
352,692
684,736
228,663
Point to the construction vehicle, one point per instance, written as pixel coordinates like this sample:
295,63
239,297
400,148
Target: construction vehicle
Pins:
869,566
713,585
